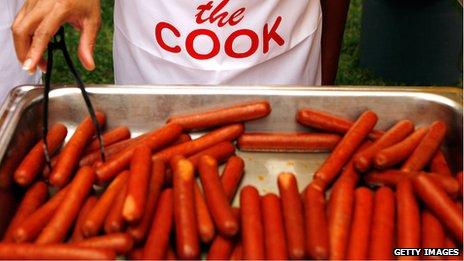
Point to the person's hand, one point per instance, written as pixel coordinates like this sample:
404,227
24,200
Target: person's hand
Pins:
39,20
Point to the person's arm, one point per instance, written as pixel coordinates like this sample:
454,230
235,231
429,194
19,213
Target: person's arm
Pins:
39,20
334,14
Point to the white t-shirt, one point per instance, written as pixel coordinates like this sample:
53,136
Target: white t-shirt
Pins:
218,42
11,74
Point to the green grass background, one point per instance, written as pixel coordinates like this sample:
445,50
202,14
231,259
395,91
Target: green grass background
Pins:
349,72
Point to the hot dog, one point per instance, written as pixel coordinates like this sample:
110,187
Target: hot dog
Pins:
293,215
222,247
206,229
154,141
436,199
94,220
383,225
65,214
110,137
395,154
427,148
232,175
346,147
317,235
69,156
363,160
120,243
220,152
251,224
52,251
274,230
158,237
34,161
287,142
114,221
77,234
34,197
393,177
237,253
459,180
218,117
33,225
358,243
328,122
137,186
227,133
408,217
138,231
439,164
433,234
216,198
187,242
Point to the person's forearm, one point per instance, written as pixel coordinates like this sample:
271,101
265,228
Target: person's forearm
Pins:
334,14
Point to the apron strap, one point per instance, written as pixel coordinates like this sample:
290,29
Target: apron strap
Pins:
58,43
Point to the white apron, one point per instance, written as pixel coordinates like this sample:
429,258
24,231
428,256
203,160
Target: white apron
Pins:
11,74
236,42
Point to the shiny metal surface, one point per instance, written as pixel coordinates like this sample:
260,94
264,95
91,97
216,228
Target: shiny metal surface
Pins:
143,108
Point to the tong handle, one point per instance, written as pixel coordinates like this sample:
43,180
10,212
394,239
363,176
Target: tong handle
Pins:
58,43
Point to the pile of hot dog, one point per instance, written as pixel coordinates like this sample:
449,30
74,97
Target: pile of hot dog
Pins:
377,190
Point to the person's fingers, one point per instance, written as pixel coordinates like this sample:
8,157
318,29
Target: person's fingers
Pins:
42,35
43,65
87,43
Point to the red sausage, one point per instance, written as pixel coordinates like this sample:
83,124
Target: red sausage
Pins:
433,234
237,253
340,214
205,224
293,215
114,221
34,197
216,198
139,230
69,156
120,243
77,234
187,242
395,154
32,225
392,177
137,186
408,217
346,147
436,199
358,243
64,216
426,148
251,224
317,234
232,175
158,236
222,247
287,142
220,152
363,160
34,161
274,230
227,133
328,122
459,179
383,225
154,141
223,116
110,137
94,220
439,164
53,251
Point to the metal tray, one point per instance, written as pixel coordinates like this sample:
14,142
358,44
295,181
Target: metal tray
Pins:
143,108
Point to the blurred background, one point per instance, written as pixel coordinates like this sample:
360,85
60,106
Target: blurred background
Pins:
386,42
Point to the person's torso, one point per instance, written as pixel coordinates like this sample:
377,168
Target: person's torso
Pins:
218,42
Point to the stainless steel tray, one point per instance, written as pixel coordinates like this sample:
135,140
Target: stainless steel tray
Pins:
143,108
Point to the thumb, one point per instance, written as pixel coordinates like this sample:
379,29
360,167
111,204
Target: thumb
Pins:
87,44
